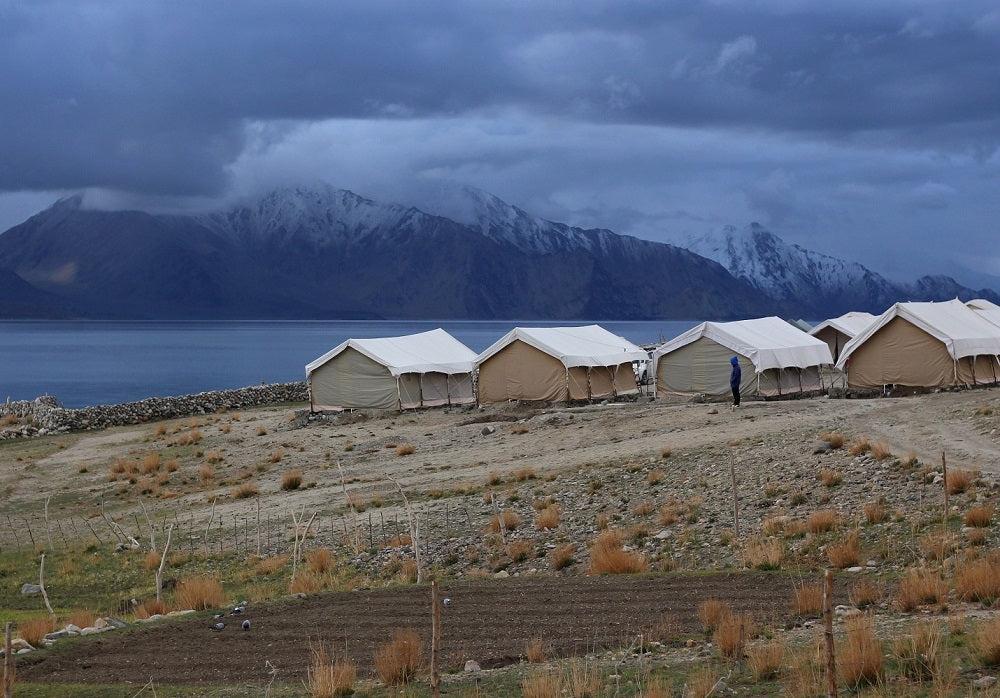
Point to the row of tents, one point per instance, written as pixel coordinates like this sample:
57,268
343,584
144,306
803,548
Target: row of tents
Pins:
911,344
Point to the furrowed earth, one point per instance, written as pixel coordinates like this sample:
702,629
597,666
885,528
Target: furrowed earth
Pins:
662,474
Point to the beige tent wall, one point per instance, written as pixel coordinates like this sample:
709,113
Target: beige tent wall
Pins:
460,391
578,387
602,383
702,367
834,338
521,372
409,390
434,389
785,381
352,380
986,369
900,354
624,379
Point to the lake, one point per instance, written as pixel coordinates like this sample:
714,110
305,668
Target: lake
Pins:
98,363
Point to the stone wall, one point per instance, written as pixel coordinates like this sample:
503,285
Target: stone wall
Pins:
44,416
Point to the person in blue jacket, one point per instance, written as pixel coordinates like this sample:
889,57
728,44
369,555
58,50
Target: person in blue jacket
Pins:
734,382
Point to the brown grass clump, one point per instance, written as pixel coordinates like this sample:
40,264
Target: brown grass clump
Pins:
711,612
199,593
150,463
320,560
733,633
763,554
509,518
245,491
979,516
276,456
82,619
607,556
960,480
583,678
151,560
979,580
34,630
860,659
405,449
644,508
880,451
271,565
190,438
493,478
213,457
305,583
291,480
808,600
206,473
864,593
834,438
519,550
149,608
667,515
172,465
545,684
877,511
908,461
859,446
846,553
522,474
976,536
398,660
987,641
535,651
520,429
920,653
701,682
938,545
562,555
821,521
326,677
830,477
920,586
601,521
261,430
665,452
655,477
548,518
765,659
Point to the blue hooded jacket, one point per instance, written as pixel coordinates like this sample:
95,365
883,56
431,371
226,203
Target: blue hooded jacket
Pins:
736,377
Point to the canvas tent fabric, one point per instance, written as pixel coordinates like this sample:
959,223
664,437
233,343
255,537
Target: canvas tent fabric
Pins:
838,331
775,359
557,364
419,370
923,345
985,309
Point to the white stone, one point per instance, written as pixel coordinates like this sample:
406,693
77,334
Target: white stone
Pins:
472,665
855,569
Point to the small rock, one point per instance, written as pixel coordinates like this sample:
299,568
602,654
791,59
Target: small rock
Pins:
94,630
486,431
30,589
472,665
114,622
72,629
855,569
101,623
57,635
502,574
19,643
984,683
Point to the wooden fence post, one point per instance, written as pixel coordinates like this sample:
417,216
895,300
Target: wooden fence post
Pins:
435,640
831,661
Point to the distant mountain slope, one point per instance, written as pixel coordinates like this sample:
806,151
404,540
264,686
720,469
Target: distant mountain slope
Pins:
818,285
320,252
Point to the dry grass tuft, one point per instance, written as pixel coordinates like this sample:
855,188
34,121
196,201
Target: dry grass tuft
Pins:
271,565
522,474
172,465
519,550
859,446
151,560
608,556
860,659
920,653
601,521
583,679
213,457
976,536
938,545
846,553
655,477
864,593
665,452
877,511
190,438
291,480
765,659
979,580
509,518
821,521
644,508
562,555
711,612
548,518
34,630
960,480
762,554
305,583
535,651
405,449
320,560
199,593
808,600
667,515
206,473
520,429
733,633
987,641
398,660
493,478
880,451
245,491
82,619
920,586
834,438
150,463
326,677
702,682
276,456
830,477
261,430
544,684
980,516
148,608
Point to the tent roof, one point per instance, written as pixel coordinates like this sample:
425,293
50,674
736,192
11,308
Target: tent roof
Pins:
426,352
591,345
961,329
849,323
986,309
769,342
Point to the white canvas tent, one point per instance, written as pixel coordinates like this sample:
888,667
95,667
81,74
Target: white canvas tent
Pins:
418,370
775,359
838,331
557,364
923,345
986,309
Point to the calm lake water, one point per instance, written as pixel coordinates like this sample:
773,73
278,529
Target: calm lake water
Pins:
100,363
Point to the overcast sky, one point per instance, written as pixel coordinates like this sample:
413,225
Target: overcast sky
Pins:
867,129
